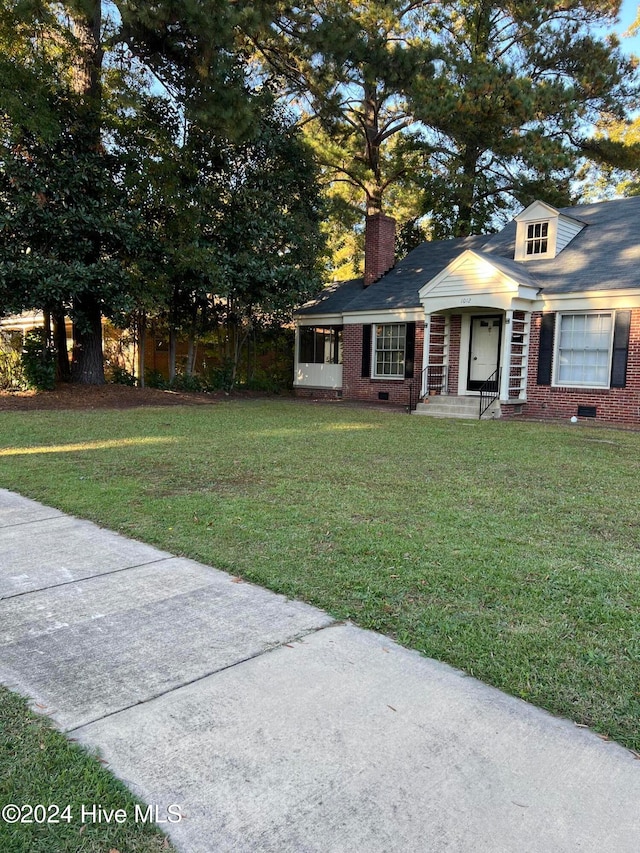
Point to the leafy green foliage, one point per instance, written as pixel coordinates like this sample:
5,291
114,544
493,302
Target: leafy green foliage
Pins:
120,376
458,112
614,166
39,361
187,382
349,67
155,379
197,204
508,112
235,226
64,226
65,229
12,377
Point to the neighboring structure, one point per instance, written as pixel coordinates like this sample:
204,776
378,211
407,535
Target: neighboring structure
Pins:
541,319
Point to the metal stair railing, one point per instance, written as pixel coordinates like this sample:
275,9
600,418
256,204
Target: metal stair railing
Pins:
489,391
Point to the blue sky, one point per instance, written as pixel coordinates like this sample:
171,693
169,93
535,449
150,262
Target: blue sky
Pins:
628,13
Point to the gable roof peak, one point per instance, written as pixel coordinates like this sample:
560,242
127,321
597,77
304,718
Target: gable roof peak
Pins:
535,210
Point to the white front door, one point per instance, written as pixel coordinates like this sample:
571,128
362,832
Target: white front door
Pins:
484,350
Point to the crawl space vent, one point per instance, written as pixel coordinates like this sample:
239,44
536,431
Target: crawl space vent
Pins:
586,411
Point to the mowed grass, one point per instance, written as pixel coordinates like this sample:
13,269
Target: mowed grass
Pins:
39,766
510,550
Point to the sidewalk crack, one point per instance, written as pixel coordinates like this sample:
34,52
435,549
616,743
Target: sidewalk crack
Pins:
271,648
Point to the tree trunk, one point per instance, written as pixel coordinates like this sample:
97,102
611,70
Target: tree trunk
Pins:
191,355
371,154
172,353
47,328
87,72
63,368
88,363
466,192
241,337
142,346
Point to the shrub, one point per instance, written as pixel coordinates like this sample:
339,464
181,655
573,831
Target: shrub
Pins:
12,376
120,376
220,378
155,379
268,384
39,361
186,382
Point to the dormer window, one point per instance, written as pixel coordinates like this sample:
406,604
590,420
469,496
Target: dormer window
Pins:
542,232
537,242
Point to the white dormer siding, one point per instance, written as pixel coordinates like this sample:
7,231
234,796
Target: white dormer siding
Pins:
567,230
542,232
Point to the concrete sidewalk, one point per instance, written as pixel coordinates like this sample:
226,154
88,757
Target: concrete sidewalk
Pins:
274,728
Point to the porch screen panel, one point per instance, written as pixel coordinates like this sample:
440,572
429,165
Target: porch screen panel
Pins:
307,344
321,345
584,348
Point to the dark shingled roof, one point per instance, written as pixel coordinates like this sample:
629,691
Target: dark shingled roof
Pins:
335,298
605,255
399,287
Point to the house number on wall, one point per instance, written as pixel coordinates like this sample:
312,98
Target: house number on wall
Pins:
466,300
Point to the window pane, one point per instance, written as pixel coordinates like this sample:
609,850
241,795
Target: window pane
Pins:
390,350
306,344
584,349
536,242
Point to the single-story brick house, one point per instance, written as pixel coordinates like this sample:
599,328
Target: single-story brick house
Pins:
541,319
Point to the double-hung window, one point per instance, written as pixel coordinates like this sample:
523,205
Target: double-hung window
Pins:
583,355
390,350
537,241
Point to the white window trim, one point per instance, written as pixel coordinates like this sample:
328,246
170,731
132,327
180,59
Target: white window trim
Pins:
556,350
391,377
521,239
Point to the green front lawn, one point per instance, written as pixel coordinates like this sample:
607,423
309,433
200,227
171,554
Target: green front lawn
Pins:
39,768
510,550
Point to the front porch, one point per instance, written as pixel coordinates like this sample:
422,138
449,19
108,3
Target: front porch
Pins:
475,362
477,330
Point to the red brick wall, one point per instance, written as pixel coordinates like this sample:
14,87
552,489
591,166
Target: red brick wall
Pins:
317,393
621,405
379,246
357,387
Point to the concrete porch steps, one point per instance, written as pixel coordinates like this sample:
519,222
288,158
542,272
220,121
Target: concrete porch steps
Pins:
445,406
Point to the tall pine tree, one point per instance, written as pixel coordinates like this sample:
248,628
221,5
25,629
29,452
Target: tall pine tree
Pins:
508,115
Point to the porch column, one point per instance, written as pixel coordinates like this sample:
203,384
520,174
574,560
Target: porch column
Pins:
505,375
425,354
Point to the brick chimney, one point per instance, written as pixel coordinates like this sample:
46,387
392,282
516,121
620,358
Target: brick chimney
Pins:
379,246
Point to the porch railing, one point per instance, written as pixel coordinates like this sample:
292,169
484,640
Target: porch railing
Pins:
434,378
489,391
